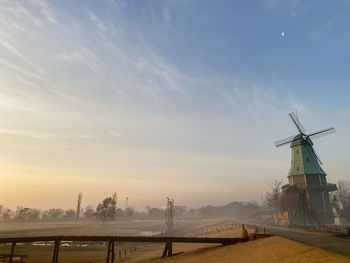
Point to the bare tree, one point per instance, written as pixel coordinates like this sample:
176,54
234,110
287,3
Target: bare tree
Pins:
89,212
26,213
129,212
273,198
77,213
69,214
53,214
343,192
6,214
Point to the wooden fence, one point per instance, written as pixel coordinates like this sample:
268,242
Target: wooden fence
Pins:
110,258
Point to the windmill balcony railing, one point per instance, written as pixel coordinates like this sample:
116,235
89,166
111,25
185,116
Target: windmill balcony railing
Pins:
317,187
332,187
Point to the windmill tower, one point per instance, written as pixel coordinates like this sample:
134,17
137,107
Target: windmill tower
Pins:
307,194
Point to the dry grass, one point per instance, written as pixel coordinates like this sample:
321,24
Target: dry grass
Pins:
273,249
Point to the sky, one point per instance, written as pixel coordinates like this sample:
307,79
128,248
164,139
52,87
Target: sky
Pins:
178,98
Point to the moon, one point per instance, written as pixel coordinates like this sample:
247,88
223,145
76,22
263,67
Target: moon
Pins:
282,34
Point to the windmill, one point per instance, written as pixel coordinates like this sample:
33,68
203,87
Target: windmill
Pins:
307,194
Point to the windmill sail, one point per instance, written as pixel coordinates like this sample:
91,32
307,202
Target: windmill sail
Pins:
285,141
322,133
297,123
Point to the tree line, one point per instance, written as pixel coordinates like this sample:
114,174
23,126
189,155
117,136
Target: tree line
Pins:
107,210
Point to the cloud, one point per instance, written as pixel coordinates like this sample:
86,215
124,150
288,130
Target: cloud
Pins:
32,134
42,135
47,12
86,136
251,98
99,70
114,133
12,49
166,15
290,7
320,29
98,22
70,57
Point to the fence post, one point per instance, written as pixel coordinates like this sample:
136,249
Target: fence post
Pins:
170,249
55,251
113,254
108,251
12,252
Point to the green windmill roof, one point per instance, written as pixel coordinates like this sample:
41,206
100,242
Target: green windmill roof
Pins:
304,159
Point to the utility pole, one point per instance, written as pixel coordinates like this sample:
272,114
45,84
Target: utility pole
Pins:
126,203
115,199
77,213
169,216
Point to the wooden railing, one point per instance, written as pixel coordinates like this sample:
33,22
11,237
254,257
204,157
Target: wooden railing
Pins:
112,239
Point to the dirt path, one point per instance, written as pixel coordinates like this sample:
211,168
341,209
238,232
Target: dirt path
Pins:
321,240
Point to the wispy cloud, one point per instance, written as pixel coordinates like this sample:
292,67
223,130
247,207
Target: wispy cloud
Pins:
166,15
41,135
114,133
12,49
98,22
289,7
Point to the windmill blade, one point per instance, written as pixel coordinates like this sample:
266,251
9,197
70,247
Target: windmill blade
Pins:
322,133
285,141
296,122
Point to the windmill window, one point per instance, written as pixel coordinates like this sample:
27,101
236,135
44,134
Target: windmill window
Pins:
297,151
298,168
307,159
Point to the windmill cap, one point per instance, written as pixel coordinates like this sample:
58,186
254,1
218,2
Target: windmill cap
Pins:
300,139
